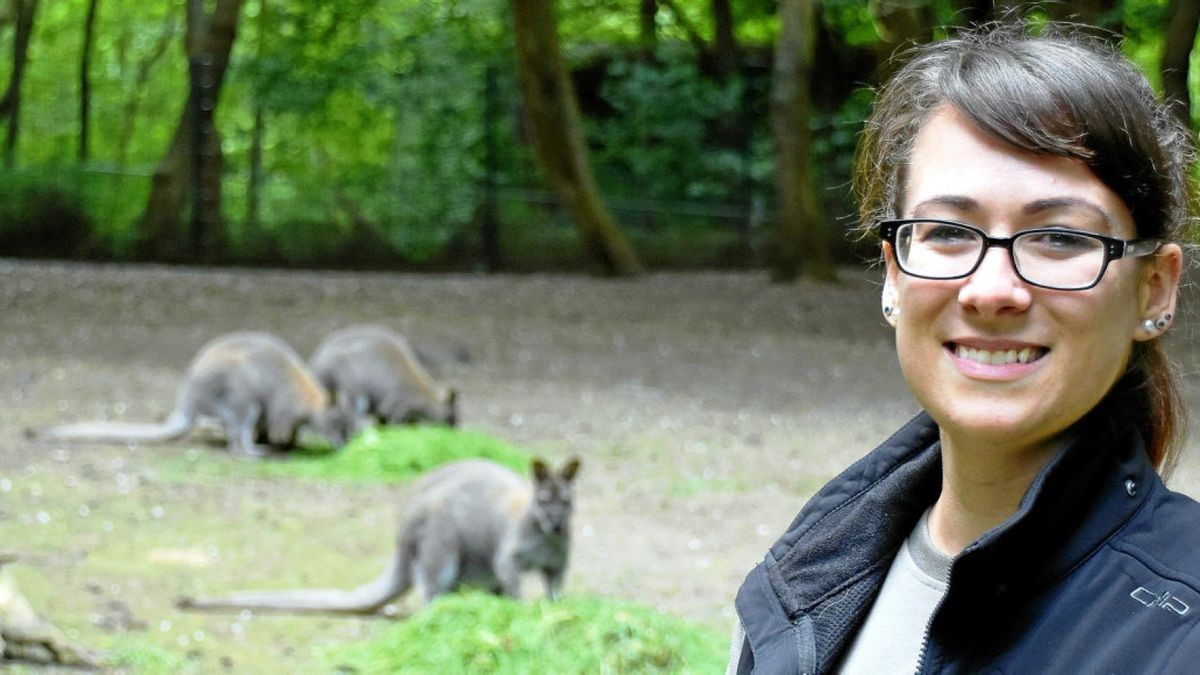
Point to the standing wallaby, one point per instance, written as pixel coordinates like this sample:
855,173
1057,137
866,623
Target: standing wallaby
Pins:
27,637
254,384
470,522
374,372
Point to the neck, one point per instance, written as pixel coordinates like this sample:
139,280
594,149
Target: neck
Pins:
982,485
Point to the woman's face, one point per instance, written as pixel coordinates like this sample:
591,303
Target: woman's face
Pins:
951,334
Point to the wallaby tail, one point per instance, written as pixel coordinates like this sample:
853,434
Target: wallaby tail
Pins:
176,425
366,599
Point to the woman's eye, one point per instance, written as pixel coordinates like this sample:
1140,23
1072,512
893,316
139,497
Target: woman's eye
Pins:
945,234
1060,241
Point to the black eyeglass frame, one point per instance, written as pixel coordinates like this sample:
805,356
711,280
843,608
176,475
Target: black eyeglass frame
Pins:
1113,248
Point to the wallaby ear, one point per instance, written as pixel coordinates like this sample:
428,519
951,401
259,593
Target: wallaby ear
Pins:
570,469
541,472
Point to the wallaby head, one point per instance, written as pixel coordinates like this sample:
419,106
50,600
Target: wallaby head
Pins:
336,424
553,493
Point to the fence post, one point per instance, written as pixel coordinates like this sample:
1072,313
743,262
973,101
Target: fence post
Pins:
490,219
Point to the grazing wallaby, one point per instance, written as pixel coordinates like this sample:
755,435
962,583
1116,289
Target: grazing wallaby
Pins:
26,636
253,383
471,522
374,372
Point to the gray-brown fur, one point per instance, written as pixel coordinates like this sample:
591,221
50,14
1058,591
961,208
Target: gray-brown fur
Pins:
25,636
252,383
375,373
471,522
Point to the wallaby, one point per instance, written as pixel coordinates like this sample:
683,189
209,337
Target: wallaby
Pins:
253,383
27,637
373,372
470,522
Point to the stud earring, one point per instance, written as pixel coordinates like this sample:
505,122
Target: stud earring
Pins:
1163,322
890,311
1148,325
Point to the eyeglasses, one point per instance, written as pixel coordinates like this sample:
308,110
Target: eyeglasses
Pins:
1049,257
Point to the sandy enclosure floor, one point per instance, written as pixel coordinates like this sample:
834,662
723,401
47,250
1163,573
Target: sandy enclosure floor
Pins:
706,406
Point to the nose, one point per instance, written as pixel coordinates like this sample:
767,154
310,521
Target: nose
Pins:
994,287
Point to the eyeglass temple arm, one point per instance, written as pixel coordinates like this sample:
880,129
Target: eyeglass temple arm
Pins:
1140,247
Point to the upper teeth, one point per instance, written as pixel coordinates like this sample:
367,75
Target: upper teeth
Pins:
996,358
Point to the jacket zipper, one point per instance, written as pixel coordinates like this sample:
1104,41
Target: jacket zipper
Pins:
937,608
925,636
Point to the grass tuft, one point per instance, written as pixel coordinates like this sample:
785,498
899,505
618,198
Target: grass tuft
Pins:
480,633
384,454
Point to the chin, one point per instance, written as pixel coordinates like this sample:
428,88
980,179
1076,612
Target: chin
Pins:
1002,428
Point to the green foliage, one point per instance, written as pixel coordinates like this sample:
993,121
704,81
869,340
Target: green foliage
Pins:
373,119
68,211
373,122
663,140
835,135
478,633
851,20
1144,26
384,454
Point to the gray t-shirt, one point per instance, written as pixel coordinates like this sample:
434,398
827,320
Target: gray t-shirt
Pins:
891,637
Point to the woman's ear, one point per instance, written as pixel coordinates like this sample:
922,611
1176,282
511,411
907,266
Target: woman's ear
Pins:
1158,291
891,294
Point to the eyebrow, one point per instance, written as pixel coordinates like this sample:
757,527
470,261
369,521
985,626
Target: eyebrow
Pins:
1040,205
969,205
959,202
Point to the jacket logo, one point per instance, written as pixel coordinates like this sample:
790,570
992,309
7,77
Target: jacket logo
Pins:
1164,600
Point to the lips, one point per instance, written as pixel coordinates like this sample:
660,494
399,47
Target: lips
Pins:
998,357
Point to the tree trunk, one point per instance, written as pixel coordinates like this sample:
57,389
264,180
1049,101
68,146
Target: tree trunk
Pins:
900,24
1104,14
648,24
557,136
692,33
803,243
726,56
192,164
974,12
85,81
144,67
10,105
254,183
1177,52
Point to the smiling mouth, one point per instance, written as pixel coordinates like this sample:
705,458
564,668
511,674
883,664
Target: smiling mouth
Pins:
999,357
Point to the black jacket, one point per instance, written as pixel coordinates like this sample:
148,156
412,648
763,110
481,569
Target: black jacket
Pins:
1098,571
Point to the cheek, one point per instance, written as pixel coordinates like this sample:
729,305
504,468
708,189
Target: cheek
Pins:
1115,312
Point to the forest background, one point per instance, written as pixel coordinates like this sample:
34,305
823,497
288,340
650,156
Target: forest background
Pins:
612,135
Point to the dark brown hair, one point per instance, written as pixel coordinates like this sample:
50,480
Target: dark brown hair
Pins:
1055,91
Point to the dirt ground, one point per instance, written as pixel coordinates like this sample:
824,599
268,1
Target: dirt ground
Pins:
706,407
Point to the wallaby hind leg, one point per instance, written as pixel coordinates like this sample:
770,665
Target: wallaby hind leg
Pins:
360,403
436,570
241,428
282,434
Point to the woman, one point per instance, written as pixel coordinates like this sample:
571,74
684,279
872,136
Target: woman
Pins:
1029,192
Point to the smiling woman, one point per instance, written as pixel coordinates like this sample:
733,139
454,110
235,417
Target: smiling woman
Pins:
1029,192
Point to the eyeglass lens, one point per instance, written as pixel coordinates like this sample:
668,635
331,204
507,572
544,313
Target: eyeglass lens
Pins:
1058,259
